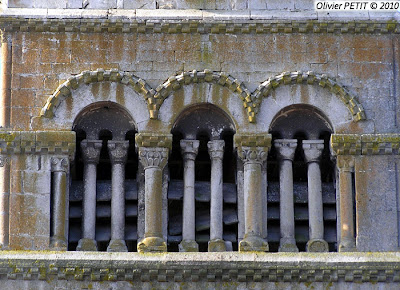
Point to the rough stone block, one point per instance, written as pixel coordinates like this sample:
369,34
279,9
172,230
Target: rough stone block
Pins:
74,4
141,4
36,182
376,204
257,4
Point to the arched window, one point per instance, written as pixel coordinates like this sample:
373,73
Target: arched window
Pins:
202,192
301,182
103,196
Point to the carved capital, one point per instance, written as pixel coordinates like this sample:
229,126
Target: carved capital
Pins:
153,157
286,148
91,150
253,147
59,164
216,149
313,150
118,151
189,149
253,155
345,163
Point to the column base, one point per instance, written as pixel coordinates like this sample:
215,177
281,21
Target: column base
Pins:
152,244
188,246
216,245
87,245
347,246
253,244
58,244
317,245
288,245
117,246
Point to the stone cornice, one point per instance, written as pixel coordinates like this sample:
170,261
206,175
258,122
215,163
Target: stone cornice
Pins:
189,21
37,142
200,267
365,144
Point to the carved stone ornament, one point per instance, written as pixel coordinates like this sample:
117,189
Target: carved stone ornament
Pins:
253,154
91,150
216,149
59,164
313,150
286,148
153,157
189,148
118,151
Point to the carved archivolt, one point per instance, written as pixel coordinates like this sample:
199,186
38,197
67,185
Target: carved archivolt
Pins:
87,77
155,98
289,78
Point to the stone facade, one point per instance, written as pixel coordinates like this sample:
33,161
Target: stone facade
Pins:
237,127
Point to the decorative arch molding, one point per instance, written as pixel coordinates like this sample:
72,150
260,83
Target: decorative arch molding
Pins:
310,78
174,83
155,98
87,77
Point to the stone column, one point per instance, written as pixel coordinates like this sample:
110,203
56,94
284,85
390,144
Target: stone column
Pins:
240,198
216,151
189,149
60,197
345,165
91,154
253,150
153,154
312,152
264,186
5,78
4,201
118,151
286,149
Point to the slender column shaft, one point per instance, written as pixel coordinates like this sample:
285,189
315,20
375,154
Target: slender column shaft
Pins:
60,203
118,152
153,225
189,150
264,185
315,205
89,201
5,99
347,239
154,160
312,152
91,154
286,199
5,79
216,151
240,200
118,202
4,201
253,199
286,149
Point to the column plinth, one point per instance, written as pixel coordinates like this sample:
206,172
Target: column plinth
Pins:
216,152
189,149
286,149
312,153
153,160
118,151
91,155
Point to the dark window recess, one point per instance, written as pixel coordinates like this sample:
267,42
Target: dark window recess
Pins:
301,122
104,121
